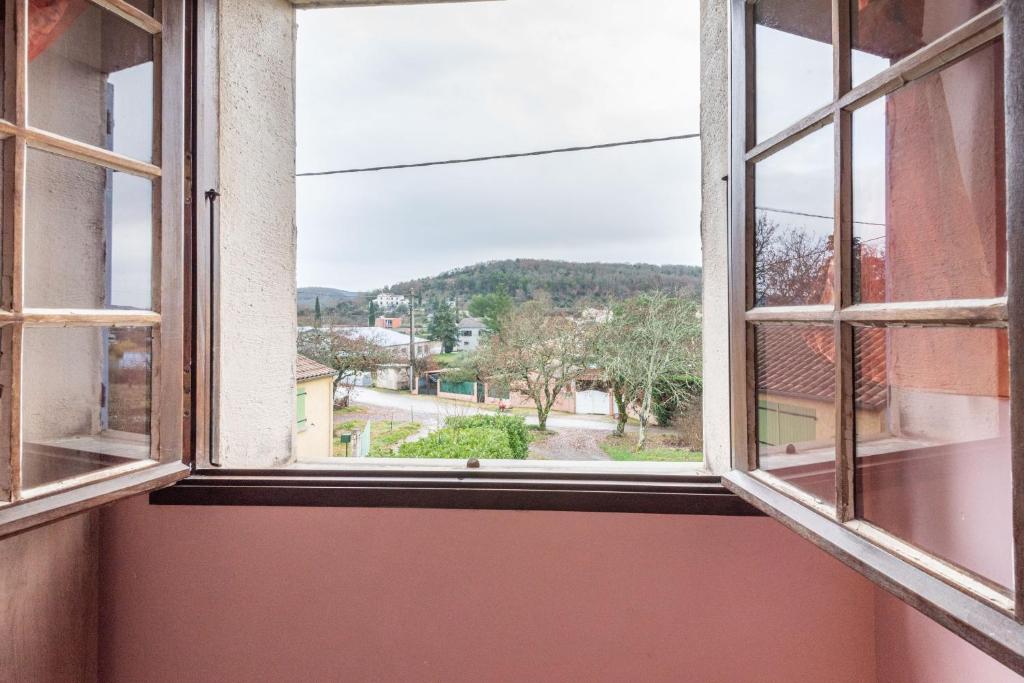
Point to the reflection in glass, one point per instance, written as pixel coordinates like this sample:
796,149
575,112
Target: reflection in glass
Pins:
794,203
86,396
932,441
88,237
91,77
928,196
793,56
795,380
886,31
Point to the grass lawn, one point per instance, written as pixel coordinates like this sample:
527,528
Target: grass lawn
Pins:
622,449
381,441
349,409
449,360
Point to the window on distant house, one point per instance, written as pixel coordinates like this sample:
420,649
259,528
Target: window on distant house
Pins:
577,264
91,306
873,340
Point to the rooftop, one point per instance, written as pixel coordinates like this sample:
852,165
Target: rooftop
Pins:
307,368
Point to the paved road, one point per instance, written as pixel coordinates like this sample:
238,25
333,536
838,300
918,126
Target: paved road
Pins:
429,409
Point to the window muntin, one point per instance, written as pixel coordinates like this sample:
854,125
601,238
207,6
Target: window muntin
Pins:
965,300
886,31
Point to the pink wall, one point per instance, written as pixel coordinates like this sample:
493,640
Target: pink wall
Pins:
363,594
914,649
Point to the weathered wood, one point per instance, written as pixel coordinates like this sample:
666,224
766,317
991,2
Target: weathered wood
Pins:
962,312
169,383
19,517
58,144
979,30
131,14
64,317
791,314
985,626
1014,104
205,221
816,120
842,270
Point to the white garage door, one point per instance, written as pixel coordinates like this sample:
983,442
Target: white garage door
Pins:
592,402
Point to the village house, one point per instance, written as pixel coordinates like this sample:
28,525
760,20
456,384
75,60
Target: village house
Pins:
314,408
389,300
470,333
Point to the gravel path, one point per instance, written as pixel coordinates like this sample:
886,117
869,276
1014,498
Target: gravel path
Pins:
569,444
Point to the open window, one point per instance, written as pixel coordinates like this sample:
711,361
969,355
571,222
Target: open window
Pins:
876,347
91,300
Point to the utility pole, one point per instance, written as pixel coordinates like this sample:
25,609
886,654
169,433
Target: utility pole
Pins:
412,340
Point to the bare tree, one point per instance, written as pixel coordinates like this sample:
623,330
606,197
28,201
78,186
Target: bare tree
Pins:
791,264
651,344
349,356
538,352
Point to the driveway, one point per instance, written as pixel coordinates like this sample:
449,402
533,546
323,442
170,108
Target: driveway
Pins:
431,410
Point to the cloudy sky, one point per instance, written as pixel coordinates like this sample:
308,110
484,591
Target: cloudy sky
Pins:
391,85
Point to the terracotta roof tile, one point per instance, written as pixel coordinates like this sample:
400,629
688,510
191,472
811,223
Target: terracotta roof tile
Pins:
799,362
307,368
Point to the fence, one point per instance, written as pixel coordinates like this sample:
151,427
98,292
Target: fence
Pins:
362,439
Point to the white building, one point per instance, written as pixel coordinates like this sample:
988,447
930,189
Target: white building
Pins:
389,300
471,331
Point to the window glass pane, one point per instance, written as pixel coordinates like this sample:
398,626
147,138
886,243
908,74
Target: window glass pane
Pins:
793,56
794,197
86,394
932,442
796,406
886,31
88,236
929,196
91,78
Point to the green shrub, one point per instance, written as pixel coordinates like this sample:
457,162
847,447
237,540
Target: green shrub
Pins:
514,427
460,444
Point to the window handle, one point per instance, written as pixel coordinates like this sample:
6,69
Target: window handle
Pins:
211,198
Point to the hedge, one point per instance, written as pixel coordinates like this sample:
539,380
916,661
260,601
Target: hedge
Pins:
474,442
513,426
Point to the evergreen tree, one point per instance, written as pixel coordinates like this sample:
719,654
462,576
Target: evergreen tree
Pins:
372,312
442,326
316,311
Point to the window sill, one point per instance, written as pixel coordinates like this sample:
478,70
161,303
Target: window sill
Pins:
465,490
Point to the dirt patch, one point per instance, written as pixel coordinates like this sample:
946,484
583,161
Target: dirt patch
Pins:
568,444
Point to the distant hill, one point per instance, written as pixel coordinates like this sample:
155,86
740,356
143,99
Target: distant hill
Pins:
570,285
329,298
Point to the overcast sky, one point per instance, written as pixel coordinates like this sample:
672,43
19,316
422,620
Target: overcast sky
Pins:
389,85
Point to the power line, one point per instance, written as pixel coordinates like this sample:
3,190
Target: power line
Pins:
812,215
517,155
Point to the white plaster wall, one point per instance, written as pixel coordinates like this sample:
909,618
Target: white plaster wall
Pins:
714,128
257,328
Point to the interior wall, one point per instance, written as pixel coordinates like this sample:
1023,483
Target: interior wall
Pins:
911,648
48,602
237,593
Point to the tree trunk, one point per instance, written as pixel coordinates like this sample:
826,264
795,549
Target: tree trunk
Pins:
644,417
623,417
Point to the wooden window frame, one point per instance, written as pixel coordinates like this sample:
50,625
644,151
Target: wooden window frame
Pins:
964,602
167,462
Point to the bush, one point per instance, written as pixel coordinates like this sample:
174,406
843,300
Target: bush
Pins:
462,443
513,426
